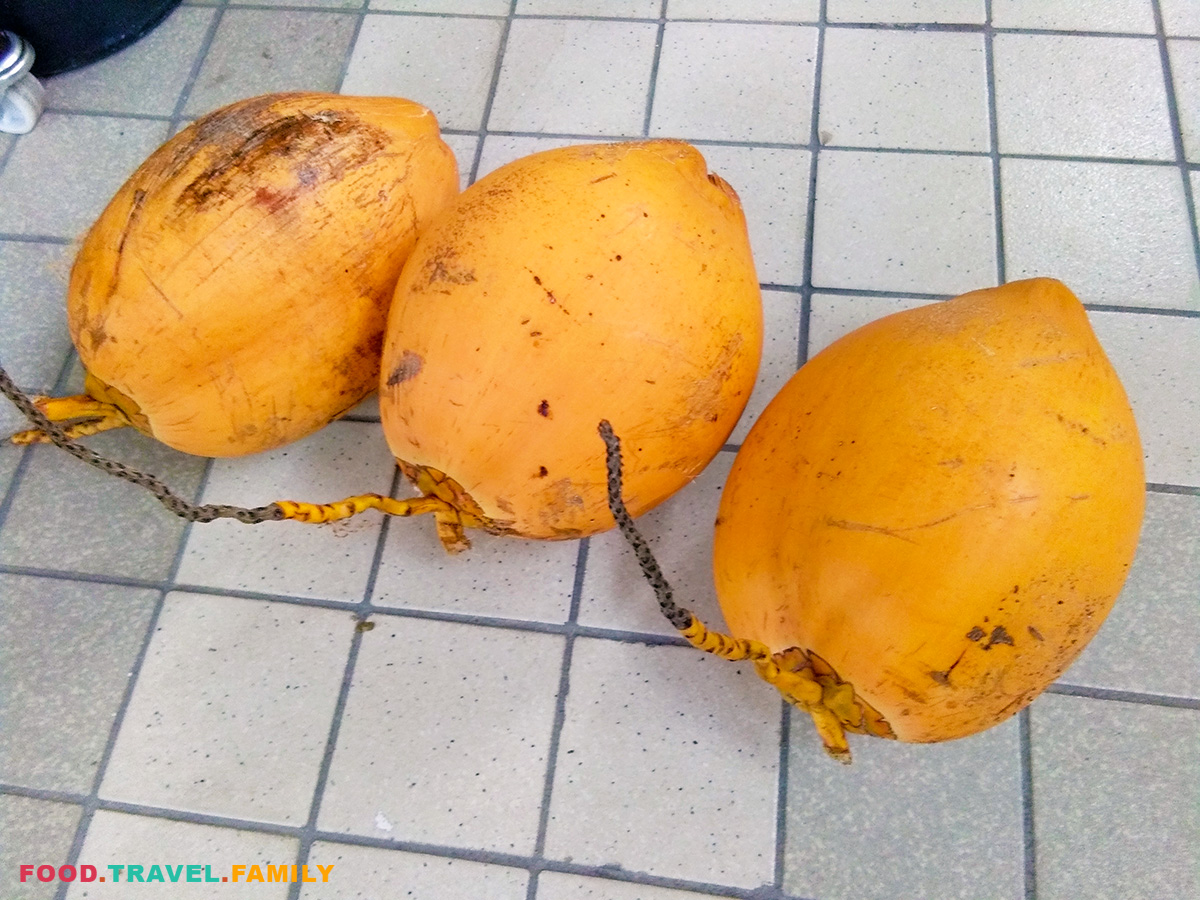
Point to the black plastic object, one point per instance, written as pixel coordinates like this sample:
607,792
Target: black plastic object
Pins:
67,34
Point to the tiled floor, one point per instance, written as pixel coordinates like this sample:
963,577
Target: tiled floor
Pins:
520,723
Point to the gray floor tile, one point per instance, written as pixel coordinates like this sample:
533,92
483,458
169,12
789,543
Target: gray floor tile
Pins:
506,577
739,82
37,833
781,353
917,90
146,77
256,51
559,886
1180,17
422,58
1151,640
1185,73
1116,234
761,10
67,516
1155,359
832,316
61,151
561,76
204,852
330,561
1070,15
458,7
904,222
445,736
1114,799
899,12
361,872
936,821
616,595
645,9
772,184
232,708
34,343
1081,96
668,764
66,654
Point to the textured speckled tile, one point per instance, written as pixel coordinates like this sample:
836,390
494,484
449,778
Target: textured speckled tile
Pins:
454,7
900,12
1114,799
1081,96
445,735
332,560
255,51
498,576
1135,16
119,839
936,821
34,343
1151,640
749,82
634,9
561,75
231,712
772,184
1116,234
501,149
368,872
1180,17
146,77
464,147
327,4
680,532
781,354
37,833
1155,358
668,764
444,63
66,652
560,886
916,90
832,316
68,516
760,10
1185,72
61,151
903,222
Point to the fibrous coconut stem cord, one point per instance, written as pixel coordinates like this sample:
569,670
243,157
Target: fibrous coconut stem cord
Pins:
283,509
798,688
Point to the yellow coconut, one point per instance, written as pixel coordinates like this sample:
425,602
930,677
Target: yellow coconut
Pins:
232,296
610,281
934,516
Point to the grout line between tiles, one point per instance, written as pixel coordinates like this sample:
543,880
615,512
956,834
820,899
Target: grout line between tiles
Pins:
1028,831
532,864
560,716
485,116
1177,131
23,464
653,85
781,797
1114,695
177,115
364,610
352,43
989,62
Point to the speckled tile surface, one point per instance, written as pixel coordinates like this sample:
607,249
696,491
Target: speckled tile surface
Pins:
519,722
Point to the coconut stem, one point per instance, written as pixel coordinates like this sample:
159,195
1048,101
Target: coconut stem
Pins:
798,688
77,416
